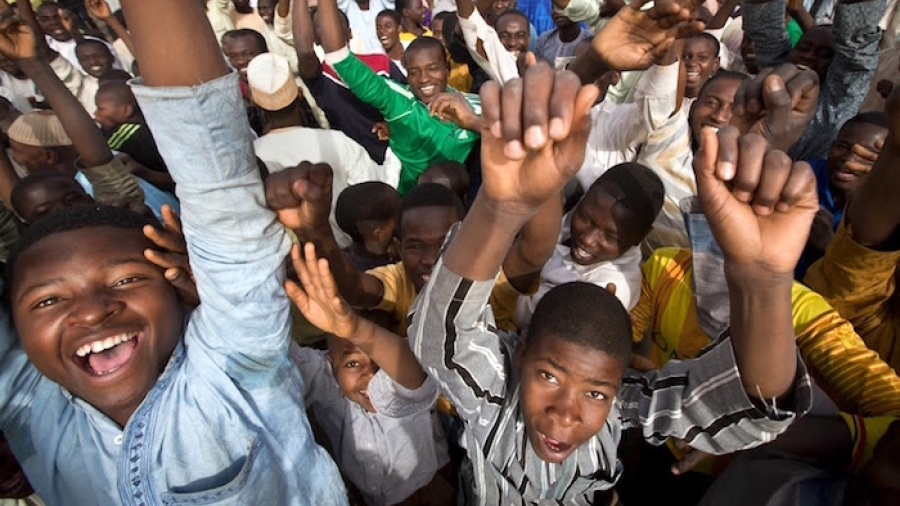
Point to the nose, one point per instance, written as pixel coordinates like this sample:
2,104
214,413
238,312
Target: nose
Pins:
430,257
565,410
722,115
591,238
93,309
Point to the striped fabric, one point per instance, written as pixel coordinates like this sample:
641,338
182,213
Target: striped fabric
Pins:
122,135
850,373
703,401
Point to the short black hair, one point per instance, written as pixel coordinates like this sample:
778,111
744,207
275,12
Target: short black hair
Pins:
246,32
118,90
20,188
372,200
877,118
431,195
92,42
404,4
584,314
443,16
449,26
723,74
513,12
391,14
634,187
708,38
74,218
423,43
455,173
113,74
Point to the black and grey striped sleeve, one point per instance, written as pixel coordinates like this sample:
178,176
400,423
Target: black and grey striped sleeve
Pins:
452,333
703,401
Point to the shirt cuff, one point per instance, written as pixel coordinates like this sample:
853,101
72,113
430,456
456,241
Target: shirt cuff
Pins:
338,56
659,80
393,400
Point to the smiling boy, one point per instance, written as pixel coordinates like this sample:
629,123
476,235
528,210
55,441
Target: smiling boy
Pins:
118,396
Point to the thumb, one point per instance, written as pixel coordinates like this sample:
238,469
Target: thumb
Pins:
712,168
184,286
690,460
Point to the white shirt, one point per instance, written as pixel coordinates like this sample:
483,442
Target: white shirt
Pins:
389,454
624,272
67,50
350,163
19,91
619,129
500,64
82,85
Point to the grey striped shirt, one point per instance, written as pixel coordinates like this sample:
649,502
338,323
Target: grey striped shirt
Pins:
701,401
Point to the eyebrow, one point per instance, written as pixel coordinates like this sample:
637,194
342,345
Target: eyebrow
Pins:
53,281
593,381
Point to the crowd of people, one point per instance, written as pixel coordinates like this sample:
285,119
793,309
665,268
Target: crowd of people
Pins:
420,252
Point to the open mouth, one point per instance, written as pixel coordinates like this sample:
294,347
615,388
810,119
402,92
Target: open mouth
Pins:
580,254
427,90
106,356
692,75
845,175
554,447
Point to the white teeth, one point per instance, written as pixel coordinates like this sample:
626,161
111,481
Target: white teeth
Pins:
580,253
426,90
104,344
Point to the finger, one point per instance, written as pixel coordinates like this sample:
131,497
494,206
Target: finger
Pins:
165,240
167,260
803,85
611,288
857,167
300,268
297,295
864,152
511,119
800,187
562,104
690,460
327,279
171,219
537,89
777,100
705,163
311,267
775,173
727,157
184,286
752,151
490,108
573,144
753,100
687,29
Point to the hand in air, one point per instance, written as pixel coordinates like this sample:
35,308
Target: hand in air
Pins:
535,132
778,104
634,39
759,203
17,39
172,255
301,196
316,296
98,8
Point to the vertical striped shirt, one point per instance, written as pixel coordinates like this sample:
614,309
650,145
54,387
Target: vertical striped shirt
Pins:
701,401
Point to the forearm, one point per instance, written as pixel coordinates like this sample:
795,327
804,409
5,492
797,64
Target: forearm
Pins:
390,352
330,33
121,32
8,178
764,23
535,245
465,8
358,289
304,41
112,183
283,8
874,213
484,238
86,138
803,18
186,27
762,331
588,67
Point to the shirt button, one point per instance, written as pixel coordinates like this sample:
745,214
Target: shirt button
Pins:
118,440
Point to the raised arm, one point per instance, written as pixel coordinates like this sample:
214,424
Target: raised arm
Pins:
484,44
302,198
304,41
100,10
323,307
764,23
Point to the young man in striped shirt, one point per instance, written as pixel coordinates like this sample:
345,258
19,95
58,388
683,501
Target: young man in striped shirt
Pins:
543,417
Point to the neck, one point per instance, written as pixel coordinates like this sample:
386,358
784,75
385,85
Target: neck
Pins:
569,33
276,120
411,26
396,51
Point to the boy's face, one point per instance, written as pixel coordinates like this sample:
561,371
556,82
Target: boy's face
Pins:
49,20
50,196
601,229
353,370
847,171
239,51
700,61
437,29
33,158
388,32
561,21
514,34
426,71
748,54
101,321
714,107
814,51
565,393
266,10
499,7
422,232
110,113
95,59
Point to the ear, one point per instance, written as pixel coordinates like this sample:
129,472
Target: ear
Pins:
521,350
128,110
51,156
717,64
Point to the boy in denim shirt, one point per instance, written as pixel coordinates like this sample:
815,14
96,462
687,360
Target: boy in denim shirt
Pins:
113,396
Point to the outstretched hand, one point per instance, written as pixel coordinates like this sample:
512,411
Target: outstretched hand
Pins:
778,104
172,255
534,137
635,38
301,196
316,296
98,8
17,39
763,220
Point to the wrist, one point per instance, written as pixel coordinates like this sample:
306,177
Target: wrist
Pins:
750,279
515,213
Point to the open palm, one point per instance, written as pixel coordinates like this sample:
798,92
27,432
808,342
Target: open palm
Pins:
317,299
17,40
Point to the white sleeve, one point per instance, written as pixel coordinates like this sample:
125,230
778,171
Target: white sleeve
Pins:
500,64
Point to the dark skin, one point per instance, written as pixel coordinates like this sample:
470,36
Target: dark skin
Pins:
389,35
413,16
50,196
602,230
700,61
239,51
568,29
851,158
51,22
814,51
102,288
94,58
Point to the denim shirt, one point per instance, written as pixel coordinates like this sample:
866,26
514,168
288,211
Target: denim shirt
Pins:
225,423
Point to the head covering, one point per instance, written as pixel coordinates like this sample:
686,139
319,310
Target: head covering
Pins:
40,128
271,81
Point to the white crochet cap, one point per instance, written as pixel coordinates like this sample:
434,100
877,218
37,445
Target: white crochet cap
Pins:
272,84
39,128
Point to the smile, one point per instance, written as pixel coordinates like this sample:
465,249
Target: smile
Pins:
106,356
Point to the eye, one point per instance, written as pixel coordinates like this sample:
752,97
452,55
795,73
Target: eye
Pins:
126,281
597,396
46,302
549,377
353,364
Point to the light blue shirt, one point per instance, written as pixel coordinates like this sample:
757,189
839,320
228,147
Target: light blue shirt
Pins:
225,423
154,198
